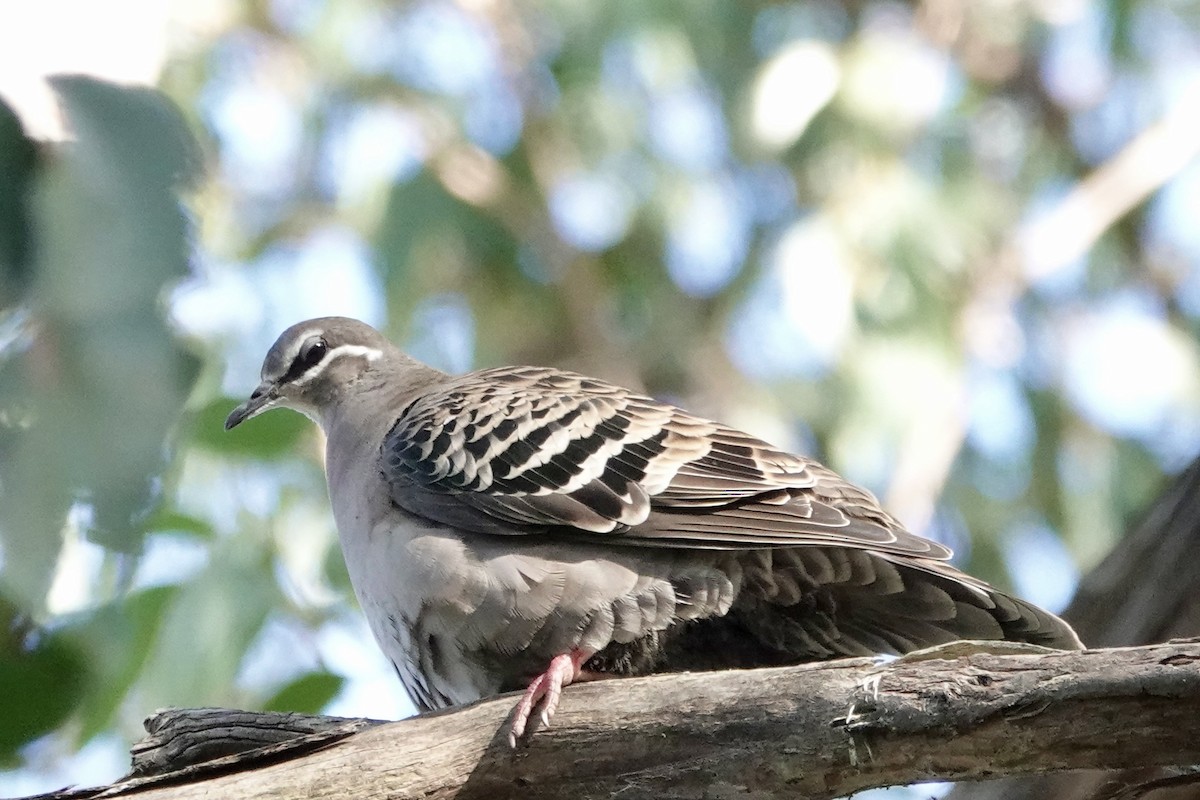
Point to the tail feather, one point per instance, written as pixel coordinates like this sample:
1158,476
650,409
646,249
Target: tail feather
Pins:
932,603
784,614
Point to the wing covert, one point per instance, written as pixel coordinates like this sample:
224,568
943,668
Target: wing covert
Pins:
535,450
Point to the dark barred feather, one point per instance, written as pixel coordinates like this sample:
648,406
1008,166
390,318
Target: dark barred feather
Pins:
546,450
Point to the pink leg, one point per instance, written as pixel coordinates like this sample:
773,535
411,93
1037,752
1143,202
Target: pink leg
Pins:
545,689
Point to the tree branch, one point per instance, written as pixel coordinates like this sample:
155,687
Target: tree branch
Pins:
814,731
1146,590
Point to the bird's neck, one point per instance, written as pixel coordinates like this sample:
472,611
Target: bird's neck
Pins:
360,418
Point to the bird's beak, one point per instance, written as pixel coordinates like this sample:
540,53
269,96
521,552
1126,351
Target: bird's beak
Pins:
260,400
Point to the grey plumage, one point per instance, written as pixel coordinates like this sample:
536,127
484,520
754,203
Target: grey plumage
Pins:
509,519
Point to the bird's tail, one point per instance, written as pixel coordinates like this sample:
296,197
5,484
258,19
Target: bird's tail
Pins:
871,603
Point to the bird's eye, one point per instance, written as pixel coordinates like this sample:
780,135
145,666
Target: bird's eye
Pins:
311,353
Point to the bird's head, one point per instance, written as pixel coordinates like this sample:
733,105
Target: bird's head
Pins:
312,365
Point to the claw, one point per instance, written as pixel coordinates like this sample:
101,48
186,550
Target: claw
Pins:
545,690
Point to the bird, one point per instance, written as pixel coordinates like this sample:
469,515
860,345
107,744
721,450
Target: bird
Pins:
524,528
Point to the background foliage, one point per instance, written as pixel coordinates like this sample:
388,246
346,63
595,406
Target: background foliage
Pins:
949,248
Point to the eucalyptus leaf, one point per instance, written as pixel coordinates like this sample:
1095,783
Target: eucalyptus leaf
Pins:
268,436
18,161
307,694
118,638
166,520
43,676
208,627
98,385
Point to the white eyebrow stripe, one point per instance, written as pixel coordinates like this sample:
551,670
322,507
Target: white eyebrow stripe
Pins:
369,353
362,351
299,343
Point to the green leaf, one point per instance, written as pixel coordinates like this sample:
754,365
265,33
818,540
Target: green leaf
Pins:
101,383
423,217
307,694
18,160
118,638
269,436
208,627
170,521
336,572
43,678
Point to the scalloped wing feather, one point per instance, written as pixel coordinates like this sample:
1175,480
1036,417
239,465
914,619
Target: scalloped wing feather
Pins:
535,450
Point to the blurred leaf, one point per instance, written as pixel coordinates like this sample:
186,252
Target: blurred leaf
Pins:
171,521
18,158
43,678
425,223
308,694
118,639
121,228
101,382
268,436
336,573
1137,481
208,627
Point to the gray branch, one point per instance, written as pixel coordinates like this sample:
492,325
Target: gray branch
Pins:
960,712
1146,590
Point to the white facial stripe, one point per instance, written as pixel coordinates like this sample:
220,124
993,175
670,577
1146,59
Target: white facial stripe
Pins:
294,350
369,353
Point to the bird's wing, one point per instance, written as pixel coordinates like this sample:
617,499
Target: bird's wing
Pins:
537,450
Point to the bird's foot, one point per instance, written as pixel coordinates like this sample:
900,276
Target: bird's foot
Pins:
544,691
